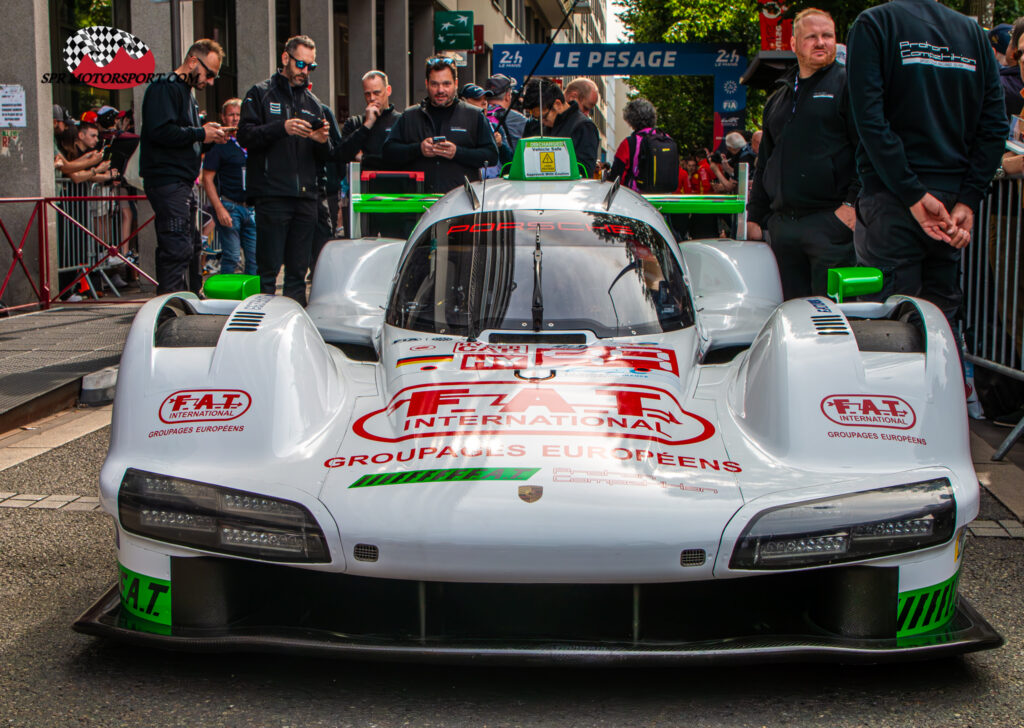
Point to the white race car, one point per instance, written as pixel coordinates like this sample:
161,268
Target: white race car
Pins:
542,429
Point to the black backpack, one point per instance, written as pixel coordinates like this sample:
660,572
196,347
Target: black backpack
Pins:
657,163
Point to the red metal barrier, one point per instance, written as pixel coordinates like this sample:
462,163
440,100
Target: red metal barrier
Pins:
42,288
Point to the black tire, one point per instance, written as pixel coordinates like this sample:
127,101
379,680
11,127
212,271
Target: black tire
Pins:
194,330
886,335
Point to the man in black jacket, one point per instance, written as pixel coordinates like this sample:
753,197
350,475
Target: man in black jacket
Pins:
170,153
926,98
562,119
805,182
443,137
364,134
287,136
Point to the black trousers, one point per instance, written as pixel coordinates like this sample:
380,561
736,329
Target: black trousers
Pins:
285,227
806,247
178,244
889,238
326,214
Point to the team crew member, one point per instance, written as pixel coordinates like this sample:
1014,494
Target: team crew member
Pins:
224,182
931,133
804,192
363,135
285,132
563,120
443,137
169,157
505,119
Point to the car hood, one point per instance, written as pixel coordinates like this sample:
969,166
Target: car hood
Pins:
586,460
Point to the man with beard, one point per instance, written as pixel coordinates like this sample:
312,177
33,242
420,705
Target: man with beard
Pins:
804,193
169,157
286,134
443,137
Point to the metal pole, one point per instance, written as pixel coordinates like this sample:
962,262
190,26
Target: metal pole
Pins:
175,33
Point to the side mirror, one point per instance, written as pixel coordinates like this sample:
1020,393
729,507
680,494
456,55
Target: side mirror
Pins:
848,282
231,286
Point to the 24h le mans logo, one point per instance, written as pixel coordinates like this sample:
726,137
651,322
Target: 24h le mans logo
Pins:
109,58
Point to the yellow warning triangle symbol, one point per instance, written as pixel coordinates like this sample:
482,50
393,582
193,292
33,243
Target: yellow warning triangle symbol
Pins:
547,162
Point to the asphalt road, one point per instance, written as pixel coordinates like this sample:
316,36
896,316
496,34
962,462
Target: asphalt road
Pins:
53,564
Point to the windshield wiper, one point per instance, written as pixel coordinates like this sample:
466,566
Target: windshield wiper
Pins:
538,294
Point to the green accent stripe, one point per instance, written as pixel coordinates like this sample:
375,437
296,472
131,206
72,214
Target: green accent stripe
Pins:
144,597
394,203
438,476
923,610
714,204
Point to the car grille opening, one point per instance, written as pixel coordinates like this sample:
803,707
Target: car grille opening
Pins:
366,552
692,557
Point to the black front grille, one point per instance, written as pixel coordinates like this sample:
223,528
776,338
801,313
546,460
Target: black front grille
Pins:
692,557
210,593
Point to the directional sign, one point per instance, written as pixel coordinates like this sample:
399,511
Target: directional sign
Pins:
453,30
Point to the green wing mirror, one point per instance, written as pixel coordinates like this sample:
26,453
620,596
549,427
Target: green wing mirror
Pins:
849,282
232,286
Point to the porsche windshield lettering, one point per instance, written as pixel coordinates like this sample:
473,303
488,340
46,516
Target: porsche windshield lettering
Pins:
528,270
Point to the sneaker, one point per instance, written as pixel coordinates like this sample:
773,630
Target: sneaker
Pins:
1010,419
118,281
74,298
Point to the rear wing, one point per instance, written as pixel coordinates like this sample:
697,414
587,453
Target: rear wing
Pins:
360,202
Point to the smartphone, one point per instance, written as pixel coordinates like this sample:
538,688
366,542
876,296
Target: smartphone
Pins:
314,121
107,151
438,140
229,129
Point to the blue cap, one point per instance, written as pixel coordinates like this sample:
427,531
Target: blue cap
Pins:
999,37
472,91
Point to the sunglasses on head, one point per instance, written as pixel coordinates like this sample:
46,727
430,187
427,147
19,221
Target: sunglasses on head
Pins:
302,64
440,59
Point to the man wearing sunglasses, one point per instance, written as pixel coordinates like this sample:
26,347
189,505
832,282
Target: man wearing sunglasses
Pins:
170,152
284,130
443,137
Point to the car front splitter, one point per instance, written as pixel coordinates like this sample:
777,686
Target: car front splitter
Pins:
968,632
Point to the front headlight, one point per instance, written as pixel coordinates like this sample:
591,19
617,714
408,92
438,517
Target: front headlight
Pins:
214,518
848,528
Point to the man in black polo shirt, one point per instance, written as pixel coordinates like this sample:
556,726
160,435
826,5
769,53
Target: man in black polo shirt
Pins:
803,193
224,182
443,137
563,120
169,157
926,98
287,136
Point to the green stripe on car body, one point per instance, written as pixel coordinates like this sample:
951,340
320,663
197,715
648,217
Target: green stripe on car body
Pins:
145,597
922,610
449,474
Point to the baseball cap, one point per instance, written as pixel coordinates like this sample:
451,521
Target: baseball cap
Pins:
61,114
89,117
999,37
472,91
499,84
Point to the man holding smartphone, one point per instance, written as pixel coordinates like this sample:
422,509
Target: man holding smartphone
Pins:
224,182
443,137
284,131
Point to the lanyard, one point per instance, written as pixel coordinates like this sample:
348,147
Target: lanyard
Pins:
796,90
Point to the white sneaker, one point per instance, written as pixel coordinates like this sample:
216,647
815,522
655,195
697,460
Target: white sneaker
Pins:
74,298
117,281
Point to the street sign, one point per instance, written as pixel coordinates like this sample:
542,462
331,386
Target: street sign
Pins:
453,30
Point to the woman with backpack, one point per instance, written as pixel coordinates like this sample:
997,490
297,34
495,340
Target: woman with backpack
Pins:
647,160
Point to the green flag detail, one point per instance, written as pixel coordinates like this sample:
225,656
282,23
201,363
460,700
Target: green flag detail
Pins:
453,30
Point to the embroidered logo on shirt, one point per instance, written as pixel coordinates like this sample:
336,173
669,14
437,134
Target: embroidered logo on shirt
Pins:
823,95
457,128
926,54
275,108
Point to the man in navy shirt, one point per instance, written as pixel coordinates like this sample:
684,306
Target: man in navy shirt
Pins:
224,182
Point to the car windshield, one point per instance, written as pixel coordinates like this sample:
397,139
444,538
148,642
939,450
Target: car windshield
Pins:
612,275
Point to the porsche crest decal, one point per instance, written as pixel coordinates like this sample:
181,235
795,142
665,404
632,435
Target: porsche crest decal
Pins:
530,493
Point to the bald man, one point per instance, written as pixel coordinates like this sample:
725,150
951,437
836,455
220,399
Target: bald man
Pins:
584,92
